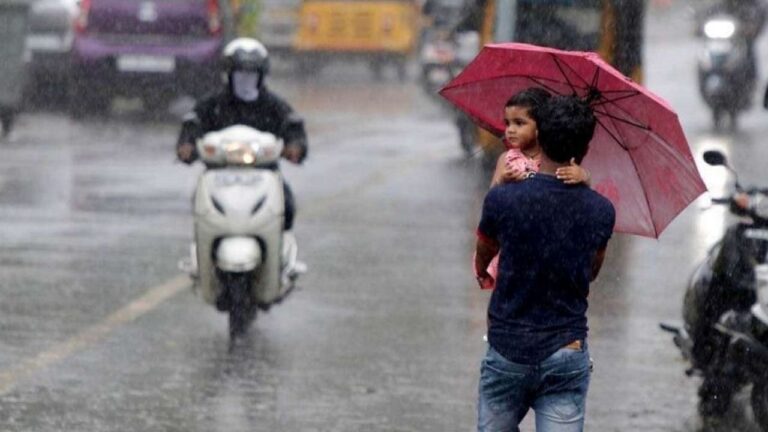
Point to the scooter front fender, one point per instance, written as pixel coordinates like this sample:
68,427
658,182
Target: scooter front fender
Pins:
238,254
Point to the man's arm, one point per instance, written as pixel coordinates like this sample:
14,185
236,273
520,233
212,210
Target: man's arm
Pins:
190,131
597,262
195,124
498,173
291,128
485,250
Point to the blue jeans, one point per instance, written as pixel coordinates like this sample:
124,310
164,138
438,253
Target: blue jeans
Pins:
556,390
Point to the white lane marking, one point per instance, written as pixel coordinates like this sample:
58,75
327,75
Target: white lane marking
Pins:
133,310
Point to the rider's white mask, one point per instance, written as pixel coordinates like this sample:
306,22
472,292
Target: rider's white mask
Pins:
245,85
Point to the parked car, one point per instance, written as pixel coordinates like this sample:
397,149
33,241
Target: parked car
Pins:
153,49
49,44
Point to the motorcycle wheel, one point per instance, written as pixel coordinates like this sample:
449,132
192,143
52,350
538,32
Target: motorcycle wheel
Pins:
718,117
242,310
760,404
466,135
734,116
714,397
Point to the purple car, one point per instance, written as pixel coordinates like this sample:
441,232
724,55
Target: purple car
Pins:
154,49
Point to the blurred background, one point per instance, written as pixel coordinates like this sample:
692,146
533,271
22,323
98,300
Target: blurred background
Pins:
386,331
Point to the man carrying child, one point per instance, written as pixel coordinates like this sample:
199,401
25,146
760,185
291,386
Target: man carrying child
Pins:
552,238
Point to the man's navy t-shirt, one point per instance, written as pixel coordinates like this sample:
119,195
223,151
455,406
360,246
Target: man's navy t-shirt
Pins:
549,233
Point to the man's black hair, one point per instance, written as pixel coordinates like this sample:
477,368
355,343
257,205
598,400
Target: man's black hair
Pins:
566,126
532,98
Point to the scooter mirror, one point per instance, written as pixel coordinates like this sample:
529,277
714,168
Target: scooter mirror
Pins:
714,157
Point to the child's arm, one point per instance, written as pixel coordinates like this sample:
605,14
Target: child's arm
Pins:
507,174
498,173
574,174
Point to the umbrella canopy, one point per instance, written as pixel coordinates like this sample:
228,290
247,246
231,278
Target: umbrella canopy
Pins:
639,157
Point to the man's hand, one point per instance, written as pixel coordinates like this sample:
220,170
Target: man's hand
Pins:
485,281
186,153
293,153
485,250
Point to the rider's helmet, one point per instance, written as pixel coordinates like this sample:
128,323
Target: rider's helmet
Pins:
245,55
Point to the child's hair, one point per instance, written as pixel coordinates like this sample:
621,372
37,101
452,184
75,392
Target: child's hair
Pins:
566,127
531,98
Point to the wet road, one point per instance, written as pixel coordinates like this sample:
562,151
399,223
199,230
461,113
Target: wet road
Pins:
100,333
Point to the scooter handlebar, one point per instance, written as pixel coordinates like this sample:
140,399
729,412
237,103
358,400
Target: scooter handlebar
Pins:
721,200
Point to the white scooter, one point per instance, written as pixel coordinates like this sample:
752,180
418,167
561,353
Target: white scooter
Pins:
241,260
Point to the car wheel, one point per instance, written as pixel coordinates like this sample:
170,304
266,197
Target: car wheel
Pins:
402,70
377,69
157,102
86,100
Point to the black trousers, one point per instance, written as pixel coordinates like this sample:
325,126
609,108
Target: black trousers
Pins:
290,206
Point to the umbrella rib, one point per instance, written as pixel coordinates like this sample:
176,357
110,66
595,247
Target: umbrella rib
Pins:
645,196
595,77
625,121
608,131
450,87
562,72
576,74
538,81
613,101
619,91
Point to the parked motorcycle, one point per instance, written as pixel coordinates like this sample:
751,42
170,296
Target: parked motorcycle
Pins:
726,69
725,330
241,258
443,56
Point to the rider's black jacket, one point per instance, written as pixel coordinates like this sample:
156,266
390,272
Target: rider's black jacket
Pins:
268,113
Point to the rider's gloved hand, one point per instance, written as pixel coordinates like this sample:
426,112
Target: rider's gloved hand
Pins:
741,200
754,204
293,153
186,153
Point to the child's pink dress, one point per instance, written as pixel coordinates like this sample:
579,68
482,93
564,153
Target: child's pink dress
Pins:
513,158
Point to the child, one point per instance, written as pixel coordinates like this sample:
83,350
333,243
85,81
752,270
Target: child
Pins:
522,158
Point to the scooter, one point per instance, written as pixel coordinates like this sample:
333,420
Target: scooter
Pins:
443,56
726,69
725,333
242,261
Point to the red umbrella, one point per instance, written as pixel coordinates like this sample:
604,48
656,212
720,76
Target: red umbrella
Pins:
639,157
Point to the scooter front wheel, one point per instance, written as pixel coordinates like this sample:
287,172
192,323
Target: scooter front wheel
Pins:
242,309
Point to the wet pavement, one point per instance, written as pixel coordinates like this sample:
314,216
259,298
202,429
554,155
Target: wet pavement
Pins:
99,332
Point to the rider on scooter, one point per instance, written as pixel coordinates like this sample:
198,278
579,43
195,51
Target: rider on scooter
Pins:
246,100
751,16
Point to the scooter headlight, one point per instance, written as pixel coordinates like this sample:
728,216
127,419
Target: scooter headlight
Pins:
720,29
239,153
